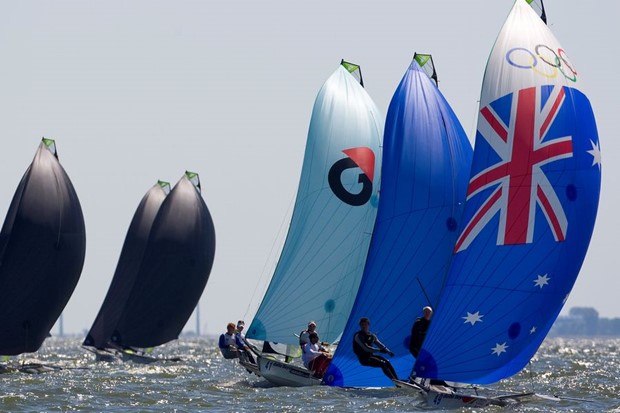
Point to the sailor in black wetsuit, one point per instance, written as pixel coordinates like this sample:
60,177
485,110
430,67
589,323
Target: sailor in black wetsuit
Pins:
418,331
364,348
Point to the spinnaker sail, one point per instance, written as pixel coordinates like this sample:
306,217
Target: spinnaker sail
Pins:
323,257
530,211
174,269
129,262
42,249
426,159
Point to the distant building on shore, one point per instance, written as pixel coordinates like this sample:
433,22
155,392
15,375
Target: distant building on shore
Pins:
584,321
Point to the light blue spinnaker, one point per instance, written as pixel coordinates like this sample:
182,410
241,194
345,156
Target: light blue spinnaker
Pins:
426,160
530,211
320,266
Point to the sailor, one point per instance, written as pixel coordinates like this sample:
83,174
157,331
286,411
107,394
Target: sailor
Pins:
242,345
304,336
364,343
316,358
228,342
418,331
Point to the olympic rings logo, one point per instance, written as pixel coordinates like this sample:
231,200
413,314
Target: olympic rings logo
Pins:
551,62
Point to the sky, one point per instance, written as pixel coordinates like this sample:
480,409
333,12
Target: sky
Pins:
136,91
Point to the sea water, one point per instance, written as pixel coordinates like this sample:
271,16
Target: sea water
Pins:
586,372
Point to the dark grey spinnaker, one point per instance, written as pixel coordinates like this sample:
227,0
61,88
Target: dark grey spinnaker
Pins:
175,266
42,249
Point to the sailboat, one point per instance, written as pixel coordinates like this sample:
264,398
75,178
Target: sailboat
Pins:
158,282
529,216
42,249
322,260
426,160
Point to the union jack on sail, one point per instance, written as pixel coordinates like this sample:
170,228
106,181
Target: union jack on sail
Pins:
520,140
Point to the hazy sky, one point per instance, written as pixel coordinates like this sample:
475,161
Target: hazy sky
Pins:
136,91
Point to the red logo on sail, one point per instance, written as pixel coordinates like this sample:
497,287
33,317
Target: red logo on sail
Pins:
521,183
362,158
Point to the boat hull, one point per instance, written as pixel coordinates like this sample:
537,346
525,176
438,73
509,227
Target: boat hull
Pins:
250,367
447,397
285,374
104,355
113,355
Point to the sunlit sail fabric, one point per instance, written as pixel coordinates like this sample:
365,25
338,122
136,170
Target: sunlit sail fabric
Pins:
426,159
128,265
530,211
322,260
42,249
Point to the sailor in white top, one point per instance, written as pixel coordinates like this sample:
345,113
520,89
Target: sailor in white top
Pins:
315,357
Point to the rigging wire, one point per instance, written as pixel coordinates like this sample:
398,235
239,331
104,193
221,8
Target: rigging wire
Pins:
270,257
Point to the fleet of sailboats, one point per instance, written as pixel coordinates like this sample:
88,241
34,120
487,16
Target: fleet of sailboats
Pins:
388,218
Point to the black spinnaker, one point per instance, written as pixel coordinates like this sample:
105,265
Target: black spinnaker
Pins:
42,249
175,267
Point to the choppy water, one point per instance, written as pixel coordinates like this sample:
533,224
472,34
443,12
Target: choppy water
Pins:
205,382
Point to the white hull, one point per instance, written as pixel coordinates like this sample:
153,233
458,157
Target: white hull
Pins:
450,398
285,374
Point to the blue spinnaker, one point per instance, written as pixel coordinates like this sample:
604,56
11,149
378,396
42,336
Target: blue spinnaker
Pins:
530,212
426,160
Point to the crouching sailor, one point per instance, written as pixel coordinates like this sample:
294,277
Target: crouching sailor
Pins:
228,343
316,358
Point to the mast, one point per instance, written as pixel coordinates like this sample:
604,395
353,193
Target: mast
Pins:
198,320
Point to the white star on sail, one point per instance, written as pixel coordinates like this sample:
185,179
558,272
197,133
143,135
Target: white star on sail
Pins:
533,330
473,318
541,281
499,348
596,154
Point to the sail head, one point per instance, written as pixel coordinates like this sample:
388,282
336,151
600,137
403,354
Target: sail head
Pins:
355,70
425,61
